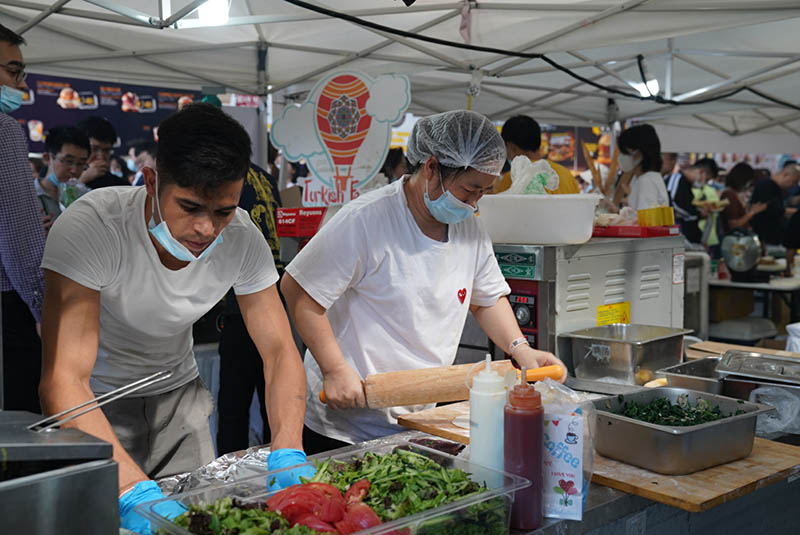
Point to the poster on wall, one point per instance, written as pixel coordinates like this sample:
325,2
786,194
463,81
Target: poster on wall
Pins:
343,131
134,110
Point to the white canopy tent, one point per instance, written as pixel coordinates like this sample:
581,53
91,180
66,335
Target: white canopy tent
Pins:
695,49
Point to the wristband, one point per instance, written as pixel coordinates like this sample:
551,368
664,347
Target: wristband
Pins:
516,343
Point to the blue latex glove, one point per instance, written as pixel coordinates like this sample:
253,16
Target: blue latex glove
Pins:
284,458
146,491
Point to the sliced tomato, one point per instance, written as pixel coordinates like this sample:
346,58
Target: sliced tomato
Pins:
317,499
344,527
315,523
359,516
357,491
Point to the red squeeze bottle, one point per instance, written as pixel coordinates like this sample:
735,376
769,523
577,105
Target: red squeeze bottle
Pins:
524,418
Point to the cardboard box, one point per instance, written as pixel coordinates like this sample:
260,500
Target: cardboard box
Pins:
771,343
728,304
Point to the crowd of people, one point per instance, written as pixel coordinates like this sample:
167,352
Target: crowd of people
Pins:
106,289
103,280
709,202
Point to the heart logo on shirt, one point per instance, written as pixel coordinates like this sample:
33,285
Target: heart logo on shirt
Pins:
462,294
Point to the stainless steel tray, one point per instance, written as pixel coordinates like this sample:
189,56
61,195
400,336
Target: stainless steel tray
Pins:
760,366
624,353
700,374
676,450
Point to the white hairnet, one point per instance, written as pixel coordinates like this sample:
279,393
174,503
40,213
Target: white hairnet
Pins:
458,138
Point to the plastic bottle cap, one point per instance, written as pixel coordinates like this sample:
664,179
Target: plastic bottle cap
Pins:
524,396
488,380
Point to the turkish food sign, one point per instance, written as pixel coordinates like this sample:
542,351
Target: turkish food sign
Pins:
343,131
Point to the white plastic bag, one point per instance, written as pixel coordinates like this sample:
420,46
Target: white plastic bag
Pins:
793,343
785,418
529,177
568,450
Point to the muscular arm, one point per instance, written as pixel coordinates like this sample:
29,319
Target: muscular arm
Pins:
342,383
70,333
499,323
283,369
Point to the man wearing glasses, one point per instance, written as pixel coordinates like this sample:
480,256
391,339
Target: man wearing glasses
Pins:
102,137
21,241
66,155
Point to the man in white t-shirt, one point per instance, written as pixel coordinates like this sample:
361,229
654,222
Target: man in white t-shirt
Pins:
127,273
387,284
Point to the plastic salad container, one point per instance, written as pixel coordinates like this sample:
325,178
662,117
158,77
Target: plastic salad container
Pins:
487,513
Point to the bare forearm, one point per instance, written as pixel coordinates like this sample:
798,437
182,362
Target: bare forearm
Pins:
286,399
59,395
498,322
311,322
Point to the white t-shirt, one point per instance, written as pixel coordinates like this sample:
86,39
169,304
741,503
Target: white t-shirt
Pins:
396,299
648,191
146,310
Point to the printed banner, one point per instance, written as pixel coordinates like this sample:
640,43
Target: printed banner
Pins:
134,110
343,130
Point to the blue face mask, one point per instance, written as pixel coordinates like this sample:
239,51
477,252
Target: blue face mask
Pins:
53,180
447,208
10,99
116,173
162,234
131,166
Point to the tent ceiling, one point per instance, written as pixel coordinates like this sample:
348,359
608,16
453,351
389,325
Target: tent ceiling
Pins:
693,47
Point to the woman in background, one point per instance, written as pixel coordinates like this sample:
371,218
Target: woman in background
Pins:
736,215
640,154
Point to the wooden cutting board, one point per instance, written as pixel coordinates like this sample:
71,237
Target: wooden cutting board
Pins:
439,421
769,462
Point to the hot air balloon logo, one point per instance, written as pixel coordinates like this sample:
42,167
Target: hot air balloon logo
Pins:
342,131
342,123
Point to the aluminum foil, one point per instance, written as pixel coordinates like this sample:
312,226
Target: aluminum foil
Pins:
253,461
226,469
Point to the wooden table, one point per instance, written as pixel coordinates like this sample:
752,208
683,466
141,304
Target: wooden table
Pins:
769,462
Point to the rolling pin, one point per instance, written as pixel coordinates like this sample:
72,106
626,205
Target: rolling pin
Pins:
434,385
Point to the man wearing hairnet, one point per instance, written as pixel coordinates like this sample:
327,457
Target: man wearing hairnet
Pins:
386,285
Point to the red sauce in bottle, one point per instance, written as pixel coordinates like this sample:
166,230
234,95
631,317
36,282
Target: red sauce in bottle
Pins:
524,419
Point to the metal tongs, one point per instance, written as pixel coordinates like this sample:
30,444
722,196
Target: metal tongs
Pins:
53,421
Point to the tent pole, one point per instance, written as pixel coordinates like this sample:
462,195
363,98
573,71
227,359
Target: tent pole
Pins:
136,53
602,68
668,67
184,11
588,120
574,27
79,13
106,46
579,64
363,53
125,12
736,53
765,115
774,122
553,93
712,123
262,57
41,16
309,16
736,80
701,66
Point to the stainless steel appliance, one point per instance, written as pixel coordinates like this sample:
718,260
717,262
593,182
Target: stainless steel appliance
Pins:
57,481
558,289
